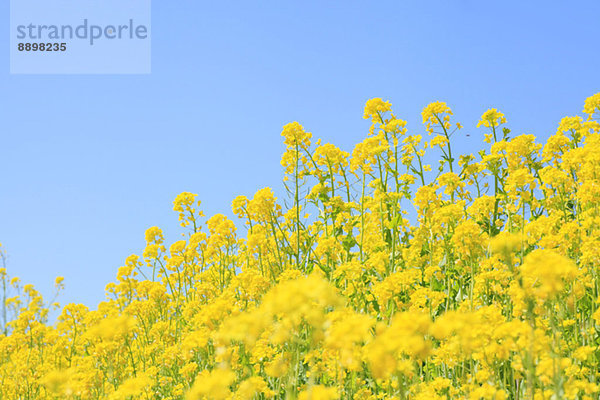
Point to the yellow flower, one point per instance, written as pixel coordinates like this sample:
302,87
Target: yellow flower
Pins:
375,107
213,384
437,113
295,135
592,105
319,392
545,273
251,387
154,235
491,119
132,387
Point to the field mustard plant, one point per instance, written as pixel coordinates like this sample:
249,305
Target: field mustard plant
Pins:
377,277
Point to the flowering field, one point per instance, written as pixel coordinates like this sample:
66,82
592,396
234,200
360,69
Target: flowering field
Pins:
377,277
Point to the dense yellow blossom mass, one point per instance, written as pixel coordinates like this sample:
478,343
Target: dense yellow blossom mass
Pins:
379,277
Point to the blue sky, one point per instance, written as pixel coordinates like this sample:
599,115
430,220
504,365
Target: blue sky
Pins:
87,163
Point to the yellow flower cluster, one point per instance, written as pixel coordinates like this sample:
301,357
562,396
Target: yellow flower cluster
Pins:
375,279
491,118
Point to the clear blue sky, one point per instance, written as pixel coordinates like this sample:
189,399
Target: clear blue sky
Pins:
87,163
